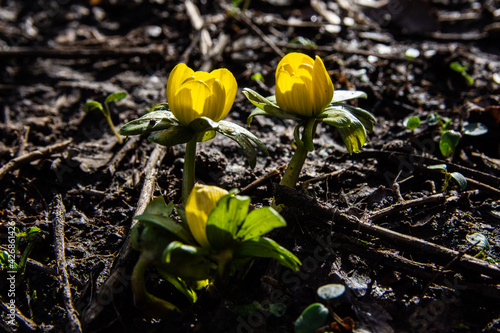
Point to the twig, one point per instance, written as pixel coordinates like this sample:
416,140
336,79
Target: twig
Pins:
129,145
308,182
17,162
243,18
482,186
79,52
438,274
30,324
420,161
468,263
58,215
117,279
256,183
399,206
50,271
217,49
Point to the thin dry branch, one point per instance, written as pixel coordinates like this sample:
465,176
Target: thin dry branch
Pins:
434,252
59,245
118,279
17,162
79,52
243,18
29,324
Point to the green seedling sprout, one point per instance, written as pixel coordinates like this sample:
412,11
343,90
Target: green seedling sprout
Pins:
7,261
483,244
197,104
412,123
457,176
217,236
459,68
91,105
315,315
304,93
450,138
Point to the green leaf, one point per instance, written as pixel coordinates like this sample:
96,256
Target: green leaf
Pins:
331,291
346,95
226,219
366,118
172,136
354,136
266,106
277,309
257,77
160,107
475,129
203,124
433,119
300,40
312,318
462,182
448,142
437,167
412,122
259,222
266,248
150,122
157,214
179,284
244,138
89,106
208,135
187,261
115,97
7,262
335,118
479,239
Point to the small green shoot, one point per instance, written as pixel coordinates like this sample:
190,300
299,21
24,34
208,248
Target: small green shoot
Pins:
412,123
7,260
315,315
257,77
91,105
448,142
483,244
457,176
459,68
450,138
312,318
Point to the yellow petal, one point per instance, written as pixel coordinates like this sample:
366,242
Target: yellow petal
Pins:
202,76
323,86
177,76
189,101
229,85
199,205
292,94
294,60
214,104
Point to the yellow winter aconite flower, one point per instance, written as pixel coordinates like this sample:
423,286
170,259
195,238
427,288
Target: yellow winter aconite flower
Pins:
303,86
199,205
192,95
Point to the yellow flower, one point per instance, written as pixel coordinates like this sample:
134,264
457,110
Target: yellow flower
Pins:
199,205
303,86
192,95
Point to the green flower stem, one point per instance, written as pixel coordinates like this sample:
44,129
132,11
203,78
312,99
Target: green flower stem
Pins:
304,145
189,165
149,303
294,167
